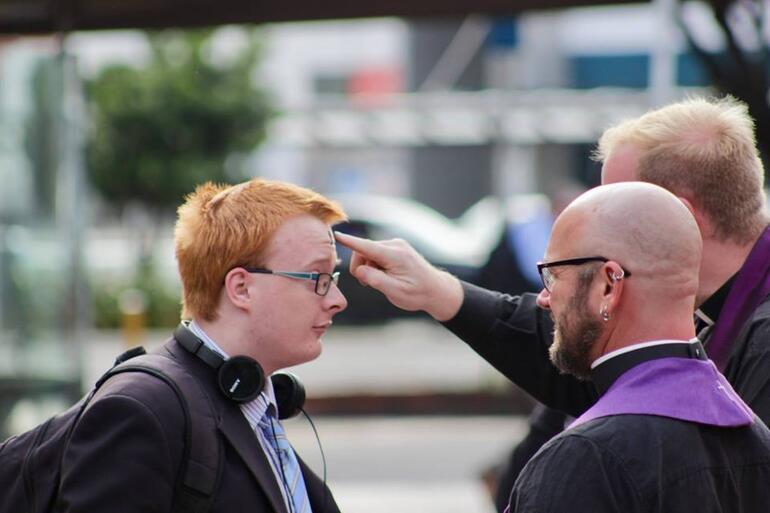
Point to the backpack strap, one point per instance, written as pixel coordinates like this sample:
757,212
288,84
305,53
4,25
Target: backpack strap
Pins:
201,460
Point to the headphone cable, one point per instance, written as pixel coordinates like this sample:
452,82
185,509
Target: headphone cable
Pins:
323,456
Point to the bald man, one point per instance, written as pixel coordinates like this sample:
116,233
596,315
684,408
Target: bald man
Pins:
668,433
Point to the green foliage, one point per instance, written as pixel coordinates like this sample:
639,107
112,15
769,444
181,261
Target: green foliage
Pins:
159,130
162,306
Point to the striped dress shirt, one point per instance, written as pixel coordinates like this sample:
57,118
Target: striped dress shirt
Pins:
253,411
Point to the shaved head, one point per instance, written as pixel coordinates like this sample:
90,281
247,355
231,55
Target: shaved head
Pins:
647,235
645,228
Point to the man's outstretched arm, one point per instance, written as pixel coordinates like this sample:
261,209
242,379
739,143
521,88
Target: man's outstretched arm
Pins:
408,280
510,332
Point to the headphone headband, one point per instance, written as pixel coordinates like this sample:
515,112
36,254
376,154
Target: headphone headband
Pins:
193,344
241,378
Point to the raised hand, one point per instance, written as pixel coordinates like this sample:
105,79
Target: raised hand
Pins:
410,282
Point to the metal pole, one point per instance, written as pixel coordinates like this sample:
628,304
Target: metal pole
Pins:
70,212
663,56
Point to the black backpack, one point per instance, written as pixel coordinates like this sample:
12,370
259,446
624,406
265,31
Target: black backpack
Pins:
30,463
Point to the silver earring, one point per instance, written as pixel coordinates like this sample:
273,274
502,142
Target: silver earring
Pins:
604,313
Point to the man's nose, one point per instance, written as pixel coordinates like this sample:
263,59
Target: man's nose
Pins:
544,299
336,300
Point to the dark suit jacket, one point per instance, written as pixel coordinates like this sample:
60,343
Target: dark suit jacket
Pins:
126,451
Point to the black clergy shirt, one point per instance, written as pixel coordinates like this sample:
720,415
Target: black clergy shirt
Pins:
648,463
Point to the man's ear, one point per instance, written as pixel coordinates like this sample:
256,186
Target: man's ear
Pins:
236,288
612,276
701,219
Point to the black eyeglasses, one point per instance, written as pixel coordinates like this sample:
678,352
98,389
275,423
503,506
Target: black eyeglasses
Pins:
543,268
323,281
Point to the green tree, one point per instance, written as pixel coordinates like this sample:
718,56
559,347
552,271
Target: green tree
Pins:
182,118
160,129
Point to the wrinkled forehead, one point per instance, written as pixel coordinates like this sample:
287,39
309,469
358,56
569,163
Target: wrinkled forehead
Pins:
323,240
299,239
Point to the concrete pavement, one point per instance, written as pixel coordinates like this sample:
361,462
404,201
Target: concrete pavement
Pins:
407,464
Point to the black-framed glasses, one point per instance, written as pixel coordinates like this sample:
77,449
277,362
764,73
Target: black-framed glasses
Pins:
544,268
323,281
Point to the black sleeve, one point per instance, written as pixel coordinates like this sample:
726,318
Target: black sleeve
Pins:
124,454
573,473
751,375
513,334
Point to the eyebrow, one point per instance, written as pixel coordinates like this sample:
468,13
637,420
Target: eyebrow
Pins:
323,261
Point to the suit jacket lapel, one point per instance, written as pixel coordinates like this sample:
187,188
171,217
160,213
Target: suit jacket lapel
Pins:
240,435
321,499
234,427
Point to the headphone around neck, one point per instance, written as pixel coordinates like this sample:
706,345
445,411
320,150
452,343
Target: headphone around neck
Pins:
241,378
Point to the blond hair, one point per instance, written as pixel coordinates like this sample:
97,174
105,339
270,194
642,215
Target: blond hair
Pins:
704,150
220,227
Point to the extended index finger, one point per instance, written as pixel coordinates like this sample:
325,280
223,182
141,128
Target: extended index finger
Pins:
367,248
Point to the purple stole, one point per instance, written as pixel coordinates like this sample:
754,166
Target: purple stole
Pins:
751,287
681,388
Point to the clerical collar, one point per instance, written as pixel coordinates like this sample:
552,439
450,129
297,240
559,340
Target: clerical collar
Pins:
611,366
710,309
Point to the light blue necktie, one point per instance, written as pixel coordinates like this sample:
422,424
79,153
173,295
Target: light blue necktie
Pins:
287,460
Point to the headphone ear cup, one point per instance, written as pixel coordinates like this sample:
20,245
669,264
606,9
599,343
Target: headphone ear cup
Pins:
289,394
241,378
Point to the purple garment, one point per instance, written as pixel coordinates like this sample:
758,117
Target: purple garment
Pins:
751,287
681,388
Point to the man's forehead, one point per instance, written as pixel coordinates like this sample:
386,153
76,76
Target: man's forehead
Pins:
322,240
568,231
301,236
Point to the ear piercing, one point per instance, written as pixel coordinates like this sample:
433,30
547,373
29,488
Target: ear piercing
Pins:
604,313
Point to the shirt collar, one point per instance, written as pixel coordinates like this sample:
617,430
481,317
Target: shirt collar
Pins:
268,392
607,369
710,309
207,341
634,347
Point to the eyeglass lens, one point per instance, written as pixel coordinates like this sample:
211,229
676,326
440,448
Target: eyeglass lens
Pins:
547,278
324,283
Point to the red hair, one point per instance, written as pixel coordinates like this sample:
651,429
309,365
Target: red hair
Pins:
220,227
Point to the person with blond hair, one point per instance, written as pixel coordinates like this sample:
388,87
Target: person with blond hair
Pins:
705,152
259,291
